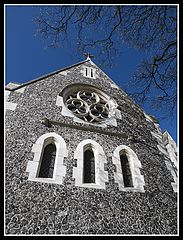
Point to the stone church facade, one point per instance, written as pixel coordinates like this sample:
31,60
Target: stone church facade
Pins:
81,157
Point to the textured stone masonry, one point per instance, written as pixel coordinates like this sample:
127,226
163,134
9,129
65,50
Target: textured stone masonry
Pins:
48,208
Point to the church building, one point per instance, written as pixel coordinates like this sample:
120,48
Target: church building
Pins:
81,158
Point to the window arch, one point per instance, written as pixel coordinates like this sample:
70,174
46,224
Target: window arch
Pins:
88,166
48,161
127,173
89,171
47,165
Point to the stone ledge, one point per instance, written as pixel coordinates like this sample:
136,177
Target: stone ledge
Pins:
48,123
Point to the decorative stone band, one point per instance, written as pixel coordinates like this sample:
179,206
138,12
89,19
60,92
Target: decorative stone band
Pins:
48,123
135,165
101,176
38,148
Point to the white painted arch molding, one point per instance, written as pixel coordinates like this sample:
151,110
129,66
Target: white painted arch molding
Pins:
135,165
38,148
101,176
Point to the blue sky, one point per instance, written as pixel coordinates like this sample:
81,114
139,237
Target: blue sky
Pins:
27,58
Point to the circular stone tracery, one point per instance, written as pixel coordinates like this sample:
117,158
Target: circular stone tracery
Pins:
87,105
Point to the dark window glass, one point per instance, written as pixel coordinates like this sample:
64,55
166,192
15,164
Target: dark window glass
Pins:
127,177
86,72
48,162
91,72
89,167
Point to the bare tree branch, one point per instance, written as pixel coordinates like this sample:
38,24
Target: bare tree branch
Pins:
150,28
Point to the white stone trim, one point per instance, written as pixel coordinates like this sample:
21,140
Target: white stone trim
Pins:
157,126
113,85
11,106
65,111
7,93
38,148
63,73
101,176
14,85
160,145
135,165
83,71
170,168
171,147
20,90
148,118
171,153
174,186
118,114
163,150
167,146
158,137
114,113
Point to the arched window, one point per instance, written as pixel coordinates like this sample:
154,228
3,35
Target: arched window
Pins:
127,176
89,167
48,162
89,170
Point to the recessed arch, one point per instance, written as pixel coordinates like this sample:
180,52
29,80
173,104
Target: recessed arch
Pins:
126,169
88,166
47,163
135,181
101,176
59,170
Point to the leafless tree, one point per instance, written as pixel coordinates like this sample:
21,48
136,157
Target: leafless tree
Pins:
102,29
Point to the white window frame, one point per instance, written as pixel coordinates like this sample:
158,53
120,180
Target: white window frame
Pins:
101,176
86,71
135,165
33,167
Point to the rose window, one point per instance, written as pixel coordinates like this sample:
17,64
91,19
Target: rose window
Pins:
88,105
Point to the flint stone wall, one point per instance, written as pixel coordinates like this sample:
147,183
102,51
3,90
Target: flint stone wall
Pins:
43,208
